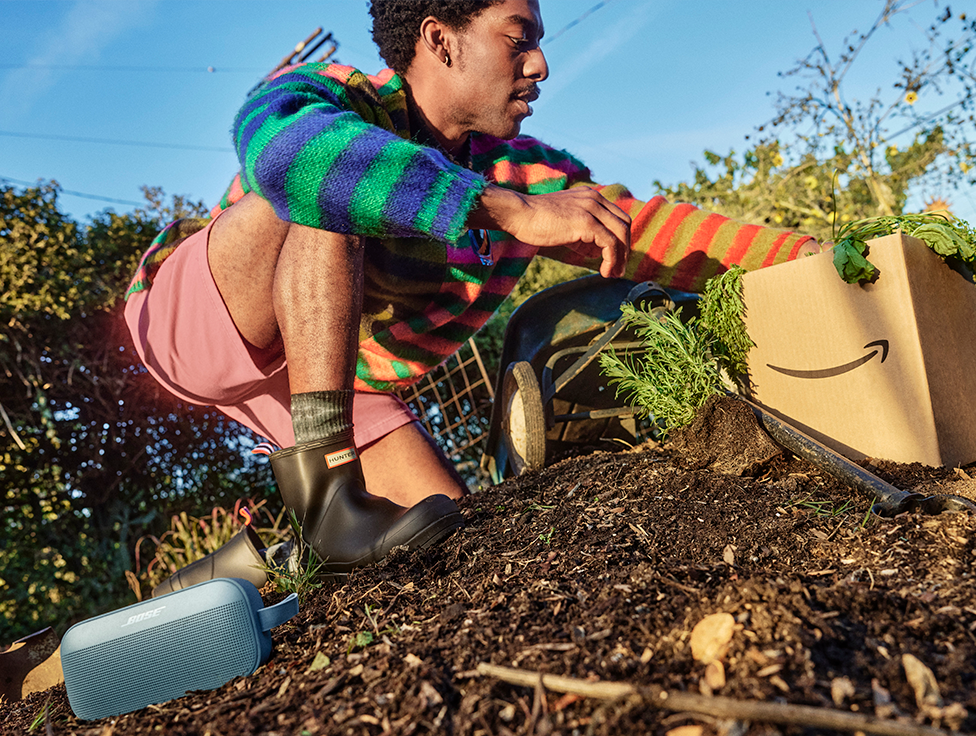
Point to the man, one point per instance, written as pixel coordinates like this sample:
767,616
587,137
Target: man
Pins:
376,224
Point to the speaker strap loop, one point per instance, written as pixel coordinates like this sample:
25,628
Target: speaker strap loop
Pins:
278,613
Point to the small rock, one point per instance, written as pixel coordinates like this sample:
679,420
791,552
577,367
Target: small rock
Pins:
841,688
715,675
922,681
320,662
711,636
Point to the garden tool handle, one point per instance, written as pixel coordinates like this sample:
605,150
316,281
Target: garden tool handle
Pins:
890,500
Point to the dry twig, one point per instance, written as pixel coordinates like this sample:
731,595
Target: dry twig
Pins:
745,710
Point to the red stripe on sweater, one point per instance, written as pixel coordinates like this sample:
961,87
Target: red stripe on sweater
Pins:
740,244
508,173
690,265
770,258
643,218
665,236
800,242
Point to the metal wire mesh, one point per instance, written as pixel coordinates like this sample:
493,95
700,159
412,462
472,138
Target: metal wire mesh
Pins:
454,404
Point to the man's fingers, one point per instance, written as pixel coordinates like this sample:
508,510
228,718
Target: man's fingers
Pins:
579,218
613,239
614,252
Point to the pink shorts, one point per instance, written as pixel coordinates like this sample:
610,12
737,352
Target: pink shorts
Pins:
186,338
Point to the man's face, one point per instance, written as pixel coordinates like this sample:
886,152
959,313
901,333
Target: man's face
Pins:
499,64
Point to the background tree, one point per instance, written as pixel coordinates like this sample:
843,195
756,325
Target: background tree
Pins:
93,453
831,156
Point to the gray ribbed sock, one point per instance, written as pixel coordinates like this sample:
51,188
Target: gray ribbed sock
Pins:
320,414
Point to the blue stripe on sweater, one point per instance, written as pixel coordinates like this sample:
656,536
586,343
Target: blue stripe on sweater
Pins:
401,211
338,184
276,159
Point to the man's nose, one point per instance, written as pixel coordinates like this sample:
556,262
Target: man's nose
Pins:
536,67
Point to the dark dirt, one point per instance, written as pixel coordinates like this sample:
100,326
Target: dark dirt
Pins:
598,568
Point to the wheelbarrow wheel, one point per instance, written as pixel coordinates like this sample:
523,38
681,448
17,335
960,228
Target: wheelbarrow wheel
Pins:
523,421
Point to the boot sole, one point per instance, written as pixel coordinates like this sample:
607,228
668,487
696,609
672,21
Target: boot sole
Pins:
432,534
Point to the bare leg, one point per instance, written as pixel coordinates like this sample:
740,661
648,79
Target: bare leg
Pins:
282,296
406,466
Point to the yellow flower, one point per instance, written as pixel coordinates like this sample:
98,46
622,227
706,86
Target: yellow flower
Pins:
892,150
777,160
911,97
777,218
964,166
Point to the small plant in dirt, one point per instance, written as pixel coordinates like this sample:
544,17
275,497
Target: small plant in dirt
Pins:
825,508
682,363
298,574
362,639
43,717
359,640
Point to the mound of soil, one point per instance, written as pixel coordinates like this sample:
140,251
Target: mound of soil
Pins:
598,569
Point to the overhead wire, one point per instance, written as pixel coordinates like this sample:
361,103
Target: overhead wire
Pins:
576,22
117,142
165,69
83,195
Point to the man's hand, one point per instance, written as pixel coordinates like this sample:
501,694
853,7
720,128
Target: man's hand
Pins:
579,218
812,248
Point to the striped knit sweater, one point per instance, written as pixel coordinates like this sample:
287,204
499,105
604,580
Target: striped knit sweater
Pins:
331,148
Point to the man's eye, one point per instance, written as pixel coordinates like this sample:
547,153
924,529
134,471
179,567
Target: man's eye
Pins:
520,43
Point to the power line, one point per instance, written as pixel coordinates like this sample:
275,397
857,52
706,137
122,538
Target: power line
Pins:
576,22
166,69
112,142
73,193
931,116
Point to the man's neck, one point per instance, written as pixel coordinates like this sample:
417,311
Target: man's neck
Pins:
425,120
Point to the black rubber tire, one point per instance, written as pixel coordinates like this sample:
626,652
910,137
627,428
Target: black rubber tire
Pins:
523,419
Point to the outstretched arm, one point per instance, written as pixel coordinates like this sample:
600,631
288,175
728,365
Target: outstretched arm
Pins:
682,246
318,144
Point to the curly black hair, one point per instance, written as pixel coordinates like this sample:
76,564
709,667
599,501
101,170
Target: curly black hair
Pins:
396,24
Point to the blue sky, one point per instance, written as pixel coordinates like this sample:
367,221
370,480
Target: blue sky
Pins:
107,95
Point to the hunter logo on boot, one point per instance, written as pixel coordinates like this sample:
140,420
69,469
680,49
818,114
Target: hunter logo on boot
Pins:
342,457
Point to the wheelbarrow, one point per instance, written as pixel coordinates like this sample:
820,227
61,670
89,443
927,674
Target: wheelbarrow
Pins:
550,395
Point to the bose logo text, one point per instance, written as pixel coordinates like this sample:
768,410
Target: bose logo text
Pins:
143,616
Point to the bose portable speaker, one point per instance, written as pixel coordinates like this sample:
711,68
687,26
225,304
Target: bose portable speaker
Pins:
198,638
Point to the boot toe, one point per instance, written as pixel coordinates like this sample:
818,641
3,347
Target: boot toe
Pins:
428,523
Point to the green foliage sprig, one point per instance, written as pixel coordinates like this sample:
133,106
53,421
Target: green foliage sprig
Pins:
682,362
952,239
675,375
721,311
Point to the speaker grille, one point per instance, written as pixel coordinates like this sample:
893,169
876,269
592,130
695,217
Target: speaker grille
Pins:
161,662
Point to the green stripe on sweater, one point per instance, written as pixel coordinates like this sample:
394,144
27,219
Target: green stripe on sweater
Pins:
376,188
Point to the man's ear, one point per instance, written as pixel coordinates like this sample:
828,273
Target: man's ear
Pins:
435,39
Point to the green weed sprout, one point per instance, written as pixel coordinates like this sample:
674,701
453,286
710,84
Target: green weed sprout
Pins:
304,579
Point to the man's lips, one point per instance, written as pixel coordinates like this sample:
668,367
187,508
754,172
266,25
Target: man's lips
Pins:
527,96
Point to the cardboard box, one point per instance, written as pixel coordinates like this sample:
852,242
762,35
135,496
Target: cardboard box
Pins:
884,370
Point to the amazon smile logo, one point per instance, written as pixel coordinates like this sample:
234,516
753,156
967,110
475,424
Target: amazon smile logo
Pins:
879,345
